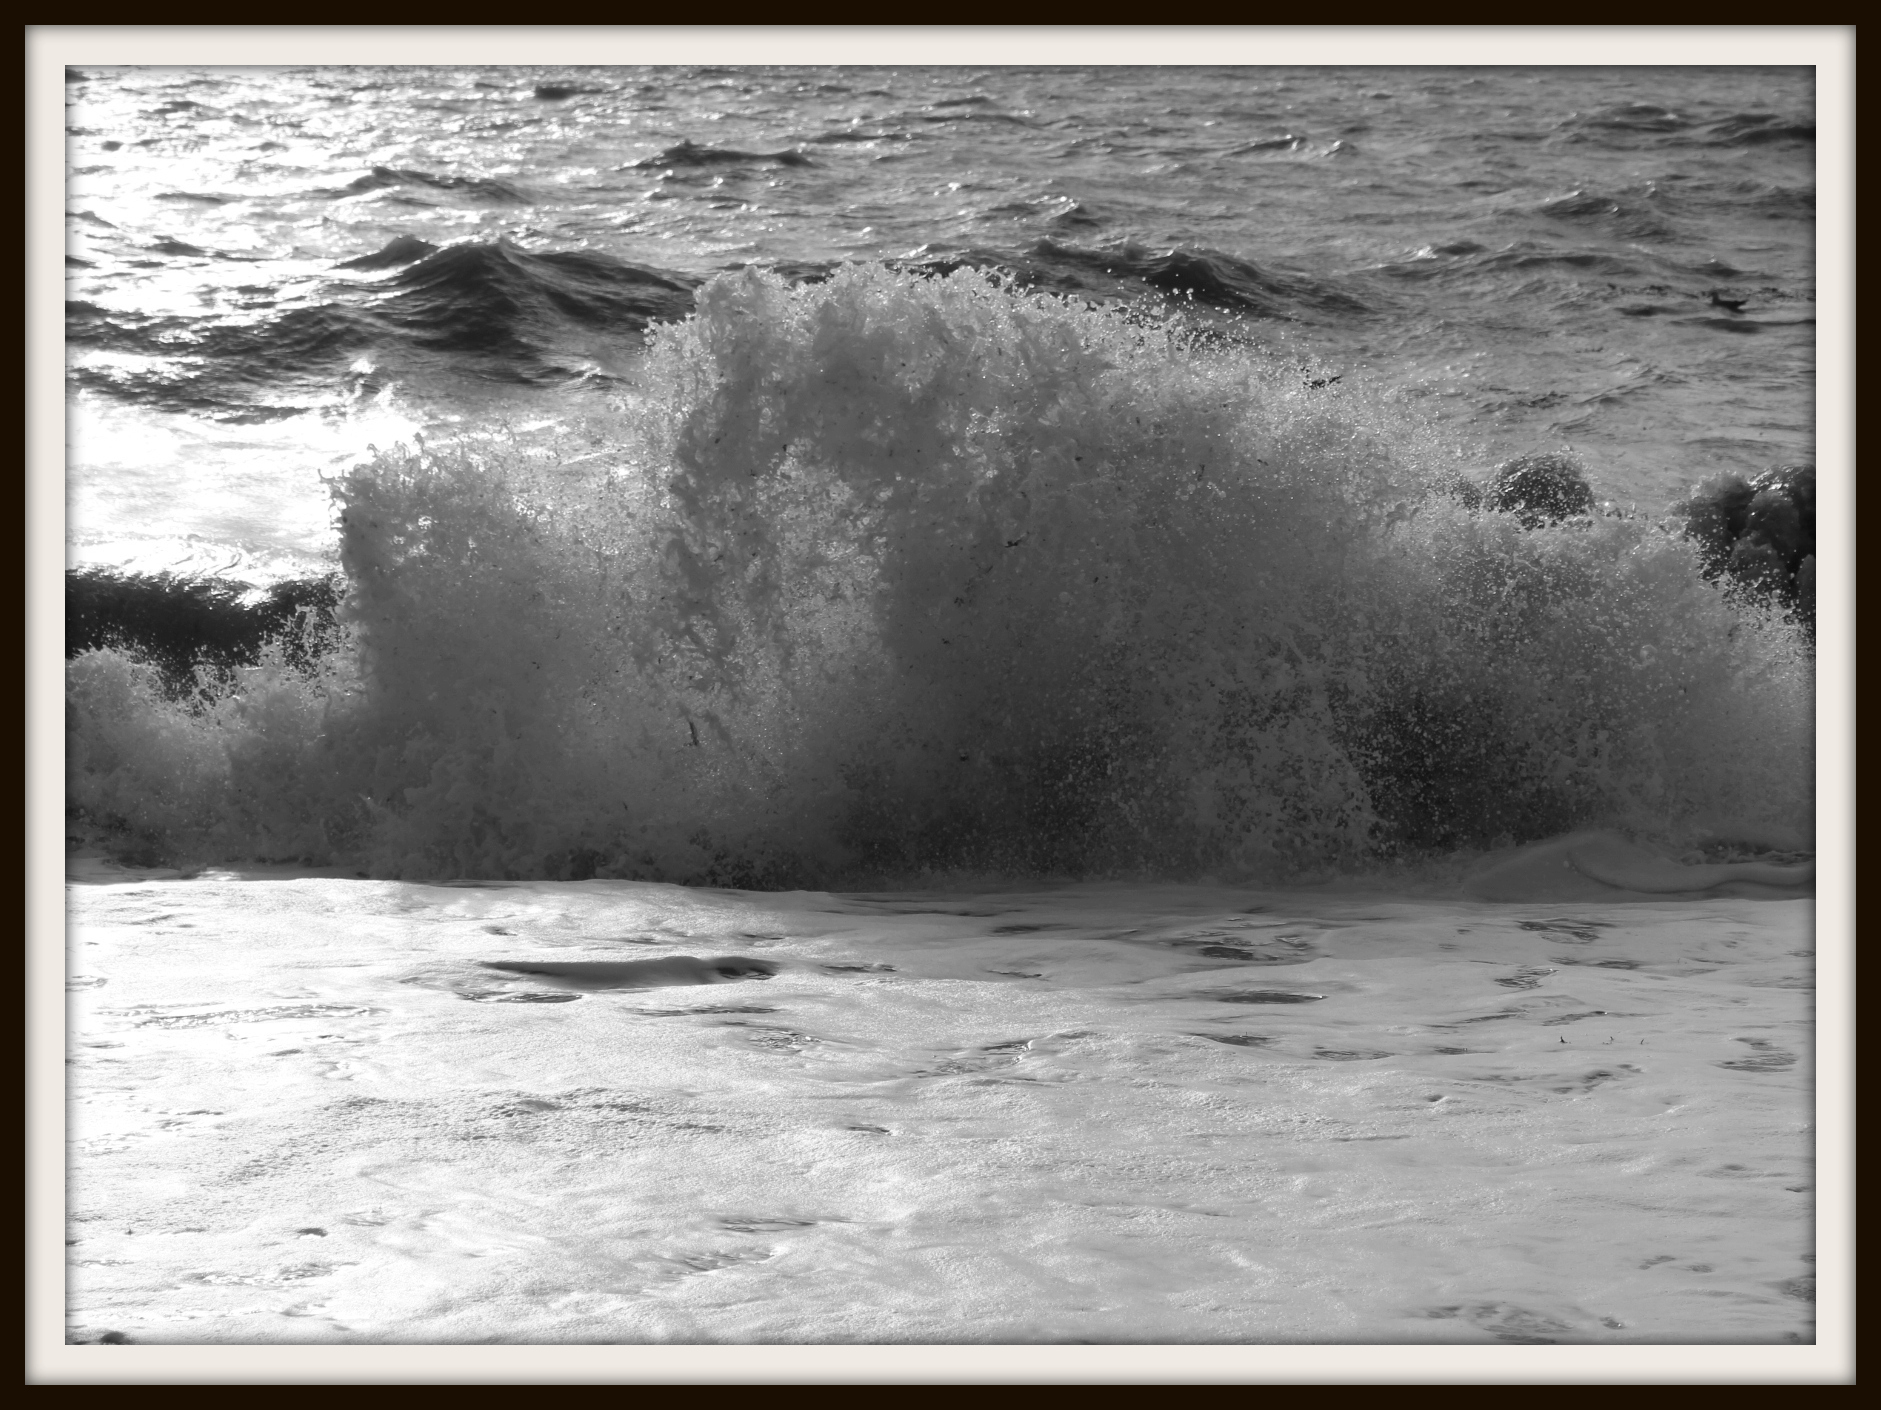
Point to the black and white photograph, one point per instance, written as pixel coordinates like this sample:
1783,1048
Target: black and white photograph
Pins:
874,690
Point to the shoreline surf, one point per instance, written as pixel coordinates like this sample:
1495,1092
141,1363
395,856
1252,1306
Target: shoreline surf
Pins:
307,1111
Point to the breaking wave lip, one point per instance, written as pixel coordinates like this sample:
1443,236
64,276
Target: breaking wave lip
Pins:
902,576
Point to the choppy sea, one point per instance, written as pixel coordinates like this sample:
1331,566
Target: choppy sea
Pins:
255,294
1011,544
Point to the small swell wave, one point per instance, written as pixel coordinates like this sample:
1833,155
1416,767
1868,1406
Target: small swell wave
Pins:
499,302
1627,117
1466,262
1128,271
1625,219
1287,142
1777,202
491,311
1646,126
170,245
826,139
1526,256
1061,213
400,250
974,113
693,154
479,188
896,576
1760,129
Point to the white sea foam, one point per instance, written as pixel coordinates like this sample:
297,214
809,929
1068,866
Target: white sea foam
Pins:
892,576
305,1111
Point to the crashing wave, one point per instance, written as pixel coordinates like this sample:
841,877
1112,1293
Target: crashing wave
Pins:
892,576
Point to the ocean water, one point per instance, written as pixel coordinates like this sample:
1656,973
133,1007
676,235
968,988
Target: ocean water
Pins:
1003,541
791,476
318,1110
1528,250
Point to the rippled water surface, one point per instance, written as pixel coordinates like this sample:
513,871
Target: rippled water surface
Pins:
1535,251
